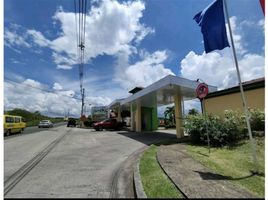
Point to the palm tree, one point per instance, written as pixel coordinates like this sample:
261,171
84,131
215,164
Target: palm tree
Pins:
170,116
193,111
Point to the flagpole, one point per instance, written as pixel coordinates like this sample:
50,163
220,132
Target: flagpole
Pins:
253,145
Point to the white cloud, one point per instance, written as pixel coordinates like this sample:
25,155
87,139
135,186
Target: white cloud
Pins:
64,67
218,68
111,28
190,104
237,36
38,38
98,101
14,39
145,72
57,86
32,83
26,95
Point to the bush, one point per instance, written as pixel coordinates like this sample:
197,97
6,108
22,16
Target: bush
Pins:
257,120
88,123
225,131
236,118
221,131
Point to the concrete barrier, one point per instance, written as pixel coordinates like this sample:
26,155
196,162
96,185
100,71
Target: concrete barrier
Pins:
138,188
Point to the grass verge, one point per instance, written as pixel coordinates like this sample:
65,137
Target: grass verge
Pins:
155,182
235,163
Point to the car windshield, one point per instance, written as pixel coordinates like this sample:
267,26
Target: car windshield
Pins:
44,121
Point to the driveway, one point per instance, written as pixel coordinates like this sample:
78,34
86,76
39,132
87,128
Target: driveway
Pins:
82,165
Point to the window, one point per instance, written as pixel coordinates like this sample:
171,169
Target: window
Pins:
17,120
9,119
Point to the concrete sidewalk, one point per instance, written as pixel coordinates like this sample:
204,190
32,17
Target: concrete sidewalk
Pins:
193,179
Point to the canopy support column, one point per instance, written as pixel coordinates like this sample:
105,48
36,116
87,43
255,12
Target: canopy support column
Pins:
138,117
119,118
132,117
178,115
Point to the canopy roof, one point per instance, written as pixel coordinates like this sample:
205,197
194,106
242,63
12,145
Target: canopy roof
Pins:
162,92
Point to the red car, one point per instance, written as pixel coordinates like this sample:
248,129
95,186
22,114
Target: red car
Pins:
108,124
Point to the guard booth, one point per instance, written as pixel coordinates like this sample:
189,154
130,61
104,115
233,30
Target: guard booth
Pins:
144,101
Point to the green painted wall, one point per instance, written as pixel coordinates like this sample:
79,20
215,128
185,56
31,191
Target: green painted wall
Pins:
146,119
154,118
134,107
149,118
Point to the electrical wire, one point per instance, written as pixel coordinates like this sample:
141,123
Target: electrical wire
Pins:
82,9
44,90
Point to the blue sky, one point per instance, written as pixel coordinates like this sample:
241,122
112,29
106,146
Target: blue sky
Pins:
130,43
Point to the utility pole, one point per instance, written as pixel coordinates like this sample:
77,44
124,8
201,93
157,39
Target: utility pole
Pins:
83,103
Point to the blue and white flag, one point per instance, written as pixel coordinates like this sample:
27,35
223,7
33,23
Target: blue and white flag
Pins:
212,23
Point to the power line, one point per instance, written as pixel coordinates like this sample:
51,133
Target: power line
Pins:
44,90
82,8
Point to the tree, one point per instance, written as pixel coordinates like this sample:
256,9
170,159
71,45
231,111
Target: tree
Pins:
193,111
170,116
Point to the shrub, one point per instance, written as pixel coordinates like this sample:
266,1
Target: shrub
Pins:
88,123
236,118
221,131
257,120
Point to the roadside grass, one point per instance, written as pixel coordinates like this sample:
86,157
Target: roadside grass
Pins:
235,163
155,182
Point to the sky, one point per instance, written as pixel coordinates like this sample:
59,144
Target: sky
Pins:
128,44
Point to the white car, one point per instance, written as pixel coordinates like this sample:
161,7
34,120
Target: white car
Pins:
45,124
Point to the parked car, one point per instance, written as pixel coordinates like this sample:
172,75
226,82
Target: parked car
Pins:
71,122
45,124
108,124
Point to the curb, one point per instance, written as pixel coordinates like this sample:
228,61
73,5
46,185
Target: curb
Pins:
121,187
138,188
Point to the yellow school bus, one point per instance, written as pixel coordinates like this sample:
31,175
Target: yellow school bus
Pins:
13,124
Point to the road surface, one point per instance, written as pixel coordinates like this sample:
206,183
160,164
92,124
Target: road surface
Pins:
33,129
68,162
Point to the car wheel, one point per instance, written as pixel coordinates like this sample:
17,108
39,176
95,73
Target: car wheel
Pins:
8,132
101,128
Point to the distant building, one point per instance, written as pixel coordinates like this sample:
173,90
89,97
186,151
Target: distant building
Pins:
230,98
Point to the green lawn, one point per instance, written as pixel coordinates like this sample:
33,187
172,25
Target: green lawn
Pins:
155,182
235,162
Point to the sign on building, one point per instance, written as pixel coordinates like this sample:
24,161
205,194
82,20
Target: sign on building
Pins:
99,113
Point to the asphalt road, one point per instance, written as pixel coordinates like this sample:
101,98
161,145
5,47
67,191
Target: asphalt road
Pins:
83,164
34,129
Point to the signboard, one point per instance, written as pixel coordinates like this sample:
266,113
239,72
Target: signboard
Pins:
99,113
99,110
201,91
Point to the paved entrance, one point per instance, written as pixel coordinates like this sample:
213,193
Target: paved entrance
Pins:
83,164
